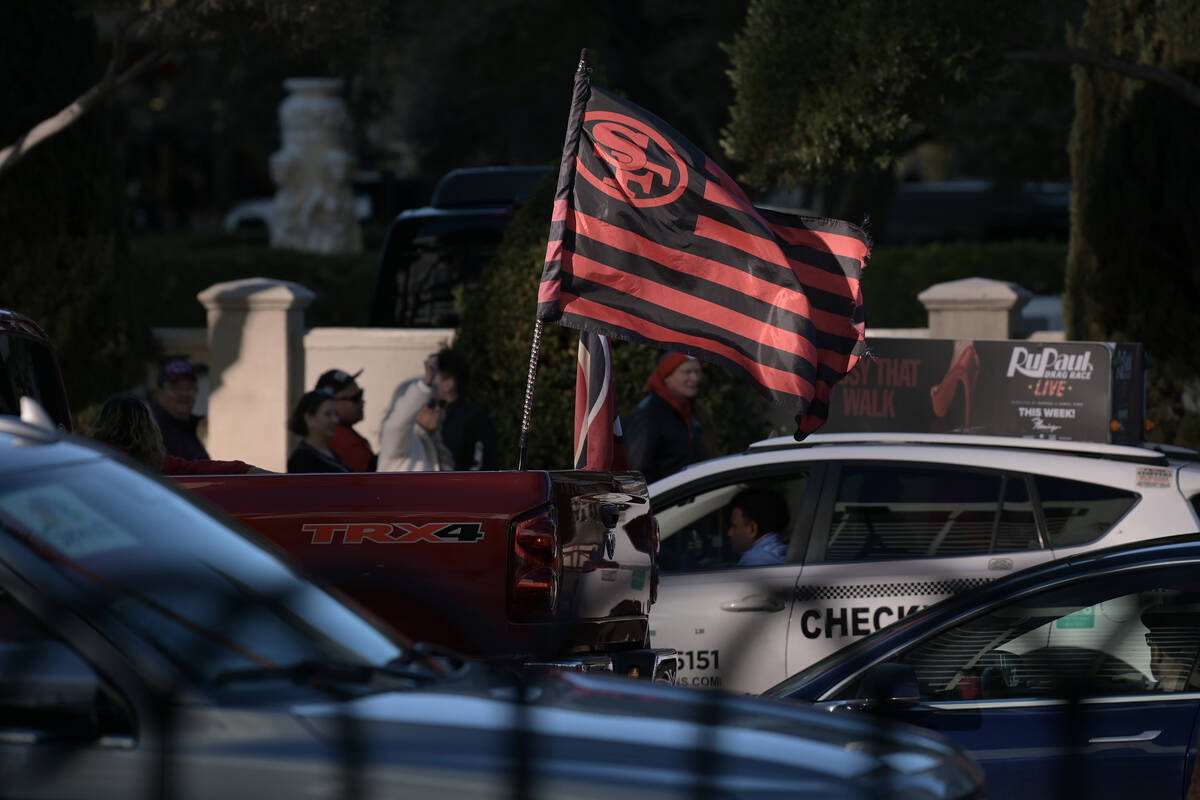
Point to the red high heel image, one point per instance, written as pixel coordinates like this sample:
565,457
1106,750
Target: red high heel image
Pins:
963,371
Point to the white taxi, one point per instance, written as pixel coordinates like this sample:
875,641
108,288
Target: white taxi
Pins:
881,525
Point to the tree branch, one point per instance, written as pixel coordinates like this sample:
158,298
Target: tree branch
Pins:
50,126
1095,58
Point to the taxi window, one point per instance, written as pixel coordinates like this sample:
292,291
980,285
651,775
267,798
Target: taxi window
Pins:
886,512
1077,512
694,530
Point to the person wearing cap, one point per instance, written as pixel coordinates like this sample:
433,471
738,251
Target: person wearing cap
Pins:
663,435
174,399
350,446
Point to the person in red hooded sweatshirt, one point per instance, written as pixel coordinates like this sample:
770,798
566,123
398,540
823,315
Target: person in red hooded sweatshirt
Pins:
663,435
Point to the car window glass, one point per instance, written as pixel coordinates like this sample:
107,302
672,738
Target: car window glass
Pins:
889,511
47,689
205,596
694,530
1017,527
1077,512
1132,634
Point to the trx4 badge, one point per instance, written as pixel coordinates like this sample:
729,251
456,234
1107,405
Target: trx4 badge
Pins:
394,532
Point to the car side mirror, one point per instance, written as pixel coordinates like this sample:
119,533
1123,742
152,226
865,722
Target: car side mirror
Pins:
889,685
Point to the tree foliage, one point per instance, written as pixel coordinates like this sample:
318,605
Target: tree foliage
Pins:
146,32
489,81
62,252
1133,270
824,89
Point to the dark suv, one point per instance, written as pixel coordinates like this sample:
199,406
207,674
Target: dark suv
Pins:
431,251
28,368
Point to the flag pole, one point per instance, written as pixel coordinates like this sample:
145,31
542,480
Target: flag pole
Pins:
566,174
528,406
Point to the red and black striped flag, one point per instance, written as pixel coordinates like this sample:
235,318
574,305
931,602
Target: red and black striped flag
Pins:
598,443
651,241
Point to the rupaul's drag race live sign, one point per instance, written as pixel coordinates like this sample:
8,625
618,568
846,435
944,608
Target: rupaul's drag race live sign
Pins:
1089,391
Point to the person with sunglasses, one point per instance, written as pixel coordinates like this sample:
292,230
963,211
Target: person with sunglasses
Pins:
410,439
350,445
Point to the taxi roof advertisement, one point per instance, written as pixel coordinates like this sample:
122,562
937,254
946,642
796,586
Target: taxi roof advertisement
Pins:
1085,391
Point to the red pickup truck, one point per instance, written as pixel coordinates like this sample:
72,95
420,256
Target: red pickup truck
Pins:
546,567
549,569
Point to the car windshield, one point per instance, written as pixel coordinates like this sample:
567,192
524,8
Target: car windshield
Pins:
202,594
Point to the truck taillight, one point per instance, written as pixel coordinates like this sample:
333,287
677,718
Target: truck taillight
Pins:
536,566
654,545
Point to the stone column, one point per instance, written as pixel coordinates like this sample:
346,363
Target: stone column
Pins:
973,308
256,347
313,208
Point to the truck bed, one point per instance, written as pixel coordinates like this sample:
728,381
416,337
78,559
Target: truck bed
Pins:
435,555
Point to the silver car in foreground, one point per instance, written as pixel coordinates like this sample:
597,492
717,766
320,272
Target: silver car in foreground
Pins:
148,648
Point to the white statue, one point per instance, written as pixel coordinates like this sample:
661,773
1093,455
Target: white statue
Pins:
313,208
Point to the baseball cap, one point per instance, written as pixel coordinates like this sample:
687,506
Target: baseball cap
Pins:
336,379
175,369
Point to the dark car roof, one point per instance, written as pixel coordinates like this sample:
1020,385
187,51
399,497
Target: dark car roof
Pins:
12,322
487,186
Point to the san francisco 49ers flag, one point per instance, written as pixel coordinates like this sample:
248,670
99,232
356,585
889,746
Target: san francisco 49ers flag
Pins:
651,241
598,442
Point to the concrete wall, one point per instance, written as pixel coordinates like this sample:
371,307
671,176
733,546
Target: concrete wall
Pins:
256,358
387,357
260,357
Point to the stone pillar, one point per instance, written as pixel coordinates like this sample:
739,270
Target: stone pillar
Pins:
256,347
313,208
973,308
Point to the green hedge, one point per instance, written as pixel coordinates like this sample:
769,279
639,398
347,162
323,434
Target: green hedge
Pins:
895,276
169,270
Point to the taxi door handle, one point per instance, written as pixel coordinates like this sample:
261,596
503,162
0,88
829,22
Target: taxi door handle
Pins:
754,602
1144,736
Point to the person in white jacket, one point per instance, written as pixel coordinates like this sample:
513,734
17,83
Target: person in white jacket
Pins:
409,440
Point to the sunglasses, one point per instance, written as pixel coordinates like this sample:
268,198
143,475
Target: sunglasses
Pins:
353,398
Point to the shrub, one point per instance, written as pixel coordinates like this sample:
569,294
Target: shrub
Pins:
171,269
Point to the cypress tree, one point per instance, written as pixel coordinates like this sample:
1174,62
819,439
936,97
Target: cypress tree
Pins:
1133,267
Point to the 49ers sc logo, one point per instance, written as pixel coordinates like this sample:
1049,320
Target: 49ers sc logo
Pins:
645,169
394,532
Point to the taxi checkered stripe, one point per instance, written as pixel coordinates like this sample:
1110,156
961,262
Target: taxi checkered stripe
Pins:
860,590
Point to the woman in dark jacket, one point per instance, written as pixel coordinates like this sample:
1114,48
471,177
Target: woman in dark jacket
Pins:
315,419
663,435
